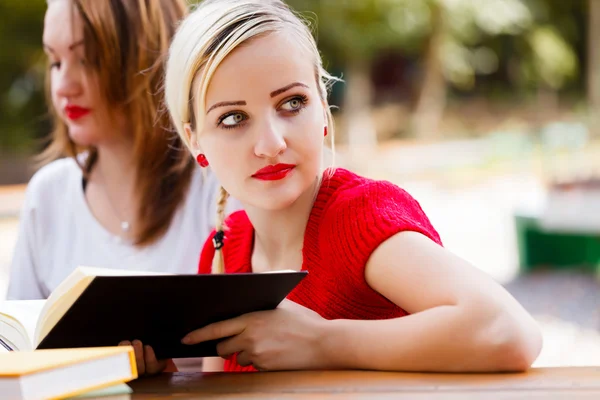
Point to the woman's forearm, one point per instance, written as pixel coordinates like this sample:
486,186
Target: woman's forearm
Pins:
445,338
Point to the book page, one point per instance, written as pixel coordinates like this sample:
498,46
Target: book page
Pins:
116,392
97,271
88,273
18,319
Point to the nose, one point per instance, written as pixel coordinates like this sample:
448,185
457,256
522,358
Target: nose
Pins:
271,142
66,81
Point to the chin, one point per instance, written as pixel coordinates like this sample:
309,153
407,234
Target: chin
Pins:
82,137
276,205
276,195
276,198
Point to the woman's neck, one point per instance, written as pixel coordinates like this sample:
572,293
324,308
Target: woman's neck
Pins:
115,165
115,168
279,235
111,189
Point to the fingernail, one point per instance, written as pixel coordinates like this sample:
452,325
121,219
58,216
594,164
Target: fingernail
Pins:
186,340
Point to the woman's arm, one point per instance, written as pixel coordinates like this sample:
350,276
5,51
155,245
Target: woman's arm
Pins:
461,320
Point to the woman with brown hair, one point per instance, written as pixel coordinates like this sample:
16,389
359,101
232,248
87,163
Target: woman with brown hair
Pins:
121,191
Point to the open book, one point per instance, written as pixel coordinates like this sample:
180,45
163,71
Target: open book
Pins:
23,323
96,307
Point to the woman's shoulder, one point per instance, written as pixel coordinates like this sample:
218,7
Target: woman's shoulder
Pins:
50,197
237,240
350,189
237,228
365,206
234,224
51,180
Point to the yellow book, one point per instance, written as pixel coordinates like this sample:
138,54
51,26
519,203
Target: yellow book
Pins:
61,373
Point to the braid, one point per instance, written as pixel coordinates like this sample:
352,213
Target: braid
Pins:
218,266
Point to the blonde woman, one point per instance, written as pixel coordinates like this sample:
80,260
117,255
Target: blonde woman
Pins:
248,94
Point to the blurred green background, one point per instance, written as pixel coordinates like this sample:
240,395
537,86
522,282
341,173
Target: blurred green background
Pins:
423,70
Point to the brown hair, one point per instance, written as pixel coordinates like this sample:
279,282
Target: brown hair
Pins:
125,44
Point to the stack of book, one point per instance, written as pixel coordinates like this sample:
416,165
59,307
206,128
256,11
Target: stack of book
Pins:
68,344
63,373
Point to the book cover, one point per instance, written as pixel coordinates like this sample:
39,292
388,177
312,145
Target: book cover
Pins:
159,310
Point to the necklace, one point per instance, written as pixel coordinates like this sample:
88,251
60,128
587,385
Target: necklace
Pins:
125,225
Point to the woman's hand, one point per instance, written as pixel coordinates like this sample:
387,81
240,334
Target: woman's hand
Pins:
286,338
146,361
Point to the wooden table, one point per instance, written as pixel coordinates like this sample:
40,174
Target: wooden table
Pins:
538,383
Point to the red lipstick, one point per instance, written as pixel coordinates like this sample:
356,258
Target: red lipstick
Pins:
274,172
75,112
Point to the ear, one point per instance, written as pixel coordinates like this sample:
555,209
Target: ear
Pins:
192,138
325,106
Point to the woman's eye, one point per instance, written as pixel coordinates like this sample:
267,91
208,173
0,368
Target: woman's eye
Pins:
293,104
232,119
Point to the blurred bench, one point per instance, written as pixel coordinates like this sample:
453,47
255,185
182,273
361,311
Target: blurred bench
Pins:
564,231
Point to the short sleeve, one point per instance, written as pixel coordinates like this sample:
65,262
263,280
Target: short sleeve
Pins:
364,217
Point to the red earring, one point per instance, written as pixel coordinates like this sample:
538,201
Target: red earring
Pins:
325,131
202,161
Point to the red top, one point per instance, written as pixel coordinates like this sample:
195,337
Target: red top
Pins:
350,218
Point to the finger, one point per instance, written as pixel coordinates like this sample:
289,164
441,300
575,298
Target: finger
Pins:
139,357
153,366
125,343
230,346
218,330
244,359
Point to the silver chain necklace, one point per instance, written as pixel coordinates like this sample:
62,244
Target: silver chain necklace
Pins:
125,225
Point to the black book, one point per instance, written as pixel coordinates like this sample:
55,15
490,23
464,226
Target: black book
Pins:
96,307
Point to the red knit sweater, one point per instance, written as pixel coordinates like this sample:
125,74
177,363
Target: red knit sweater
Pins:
350,218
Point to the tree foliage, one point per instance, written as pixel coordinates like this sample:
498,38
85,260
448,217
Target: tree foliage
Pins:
22,104
544,45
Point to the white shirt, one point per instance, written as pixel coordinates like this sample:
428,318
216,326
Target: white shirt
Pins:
58,232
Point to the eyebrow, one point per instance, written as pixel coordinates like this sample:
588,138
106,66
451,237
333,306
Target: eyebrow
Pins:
243,103
226,103
71,47
286,88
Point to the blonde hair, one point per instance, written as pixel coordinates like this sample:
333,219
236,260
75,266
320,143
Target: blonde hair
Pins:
209,33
